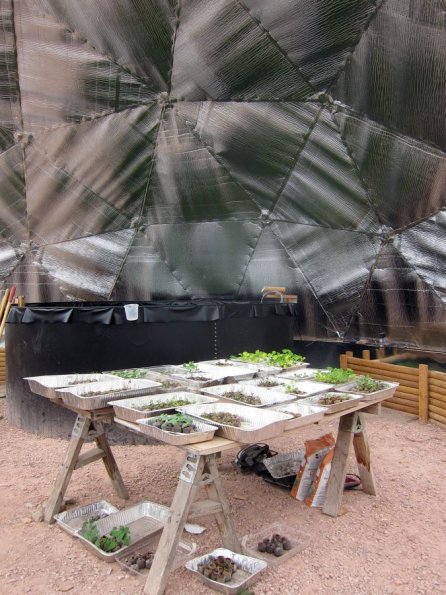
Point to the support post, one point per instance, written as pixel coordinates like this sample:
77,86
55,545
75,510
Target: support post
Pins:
423,392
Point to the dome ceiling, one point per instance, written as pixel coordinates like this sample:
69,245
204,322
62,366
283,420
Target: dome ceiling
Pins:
175,149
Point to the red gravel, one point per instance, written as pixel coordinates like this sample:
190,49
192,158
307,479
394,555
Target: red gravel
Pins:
390,544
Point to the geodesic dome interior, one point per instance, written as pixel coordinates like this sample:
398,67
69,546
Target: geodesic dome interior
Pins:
176,149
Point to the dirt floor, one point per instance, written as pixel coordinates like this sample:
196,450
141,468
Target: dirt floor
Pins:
392,543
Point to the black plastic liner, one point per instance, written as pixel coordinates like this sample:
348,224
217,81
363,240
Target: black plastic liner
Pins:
171,311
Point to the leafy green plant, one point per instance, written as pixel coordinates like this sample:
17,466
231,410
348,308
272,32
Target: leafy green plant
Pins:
115,540
190,367
137,373
365,384
282,359
334,375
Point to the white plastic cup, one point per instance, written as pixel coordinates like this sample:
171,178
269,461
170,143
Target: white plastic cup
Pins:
131,311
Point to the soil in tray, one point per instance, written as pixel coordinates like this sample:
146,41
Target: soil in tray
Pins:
242,397
332,399
223,417
177,423
162,405
268,383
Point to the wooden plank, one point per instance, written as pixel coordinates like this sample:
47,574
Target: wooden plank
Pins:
224,519
437,375
406,402
438,419
440,396
94,454
336,481
373,409
204,508
441,404
403,408
362,453
438,384
380,365
437,410
110,463
384,375
179,510
343,361
78,435
366,354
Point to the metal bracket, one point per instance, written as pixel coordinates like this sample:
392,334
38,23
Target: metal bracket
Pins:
189,469
359,425
78,428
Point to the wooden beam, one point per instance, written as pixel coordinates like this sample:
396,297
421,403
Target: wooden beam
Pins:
362,453
423,403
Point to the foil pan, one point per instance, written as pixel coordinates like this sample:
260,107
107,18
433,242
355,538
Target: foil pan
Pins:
72,520
303,414
227,370
301,374
185,550
205,431
382,394
127,409
303,388
257,424
284,464
352,401
266,396
144,520
97,395
247,571
46,386
194,380
167,384
298,539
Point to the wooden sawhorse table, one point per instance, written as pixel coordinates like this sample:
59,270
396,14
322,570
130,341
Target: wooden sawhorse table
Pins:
89,424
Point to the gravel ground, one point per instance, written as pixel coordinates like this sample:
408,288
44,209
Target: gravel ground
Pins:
393,543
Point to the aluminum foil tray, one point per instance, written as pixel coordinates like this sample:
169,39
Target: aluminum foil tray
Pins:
352,401
46,386
72,520
205,432
303,414
382,394
227,369
194,381
259,368
257,424
184,552
301,374
266,396
246,574
305,387
284,464
127,409
144,520
297,538
98,394
167,384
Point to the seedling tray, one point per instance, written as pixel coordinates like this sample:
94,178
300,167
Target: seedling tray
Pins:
247,571
256,424
185,550
304,373
72,520
303,413
284,464
384,393
194,380
341,406
98,394
127,409
144,520
46,386
299,540
205,431
267,396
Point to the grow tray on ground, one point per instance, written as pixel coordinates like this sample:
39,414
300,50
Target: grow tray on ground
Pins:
72,520
298,541
248,568
144,521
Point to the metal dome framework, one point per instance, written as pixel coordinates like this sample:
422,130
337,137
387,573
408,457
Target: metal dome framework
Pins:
190,148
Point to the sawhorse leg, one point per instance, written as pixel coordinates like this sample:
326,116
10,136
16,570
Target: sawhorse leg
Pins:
73,460
351,430
197,470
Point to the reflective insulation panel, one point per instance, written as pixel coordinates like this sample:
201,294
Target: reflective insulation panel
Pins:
171,149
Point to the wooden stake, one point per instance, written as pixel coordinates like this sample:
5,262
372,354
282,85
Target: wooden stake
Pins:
4,302
423,404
